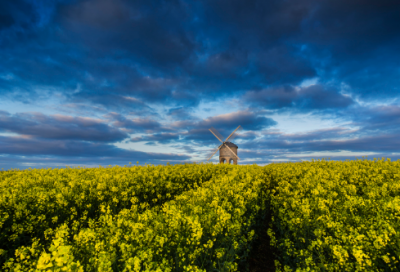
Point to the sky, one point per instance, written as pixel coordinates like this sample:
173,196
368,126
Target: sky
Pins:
108,82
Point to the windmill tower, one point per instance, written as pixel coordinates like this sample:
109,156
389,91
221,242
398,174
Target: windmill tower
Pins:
227,150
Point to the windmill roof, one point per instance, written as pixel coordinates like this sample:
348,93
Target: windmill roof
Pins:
231,144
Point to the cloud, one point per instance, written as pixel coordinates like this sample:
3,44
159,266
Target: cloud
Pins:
150,32
159,61
313,97
60,127
225,124
192,131
16,13
370,130
134,125
379,143
179,53
148,67
160,138
181,113
249,120
377,119
36,147
318,135
347,42
327,140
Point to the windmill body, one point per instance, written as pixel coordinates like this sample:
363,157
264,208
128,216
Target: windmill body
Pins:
227,150
226,155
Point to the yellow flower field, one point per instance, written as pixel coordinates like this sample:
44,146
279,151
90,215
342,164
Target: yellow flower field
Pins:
326,216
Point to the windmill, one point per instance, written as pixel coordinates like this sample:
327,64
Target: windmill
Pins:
227,150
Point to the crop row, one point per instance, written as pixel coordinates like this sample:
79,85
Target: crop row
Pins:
203,229
34,204
336,216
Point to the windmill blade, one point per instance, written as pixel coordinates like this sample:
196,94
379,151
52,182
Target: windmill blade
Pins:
219,147
216,134
231,151
239,128
234,136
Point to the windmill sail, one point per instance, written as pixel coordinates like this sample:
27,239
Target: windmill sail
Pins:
234,134
214,152
216,134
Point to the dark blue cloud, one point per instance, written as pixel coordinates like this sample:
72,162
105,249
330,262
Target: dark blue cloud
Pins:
375,119
161,138
353,42
23,152
314,97
181,113
135,125
30,146
198,133
153,31
17,13
379,143
60,127
369,135
214,46
181,53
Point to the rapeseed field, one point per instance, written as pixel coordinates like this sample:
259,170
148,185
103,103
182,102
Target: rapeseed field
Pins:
324,216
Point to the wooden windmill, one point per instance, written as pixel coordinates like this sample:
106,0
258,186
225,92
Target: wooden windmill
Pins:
227,150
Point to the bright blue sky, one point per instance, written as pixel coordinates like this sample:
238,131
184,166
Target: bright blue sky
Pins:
100,82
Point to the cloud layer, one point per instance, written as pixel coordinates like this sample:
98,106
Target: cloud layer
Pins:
109,78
